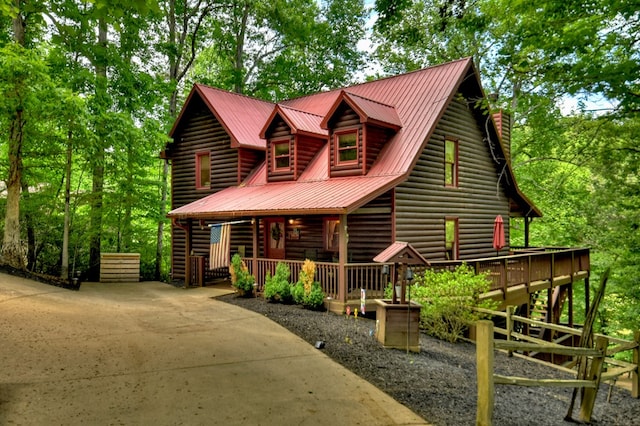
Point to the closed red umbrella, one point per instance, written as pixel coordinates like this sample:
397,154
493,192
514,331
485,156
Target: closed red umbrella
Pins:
498,233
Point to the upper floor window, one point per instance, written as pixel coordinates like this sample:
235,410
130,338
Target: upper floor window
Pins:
346,147
451,238
281,158
450,162
203,170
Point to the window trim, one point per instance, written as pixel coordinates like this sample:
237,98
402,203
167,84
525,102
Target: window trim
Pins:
275,157
325,234
453,165
455,250
199,157
337,149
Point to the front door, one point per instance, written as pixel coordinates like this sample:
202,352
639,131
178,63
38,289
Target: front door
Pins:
274,238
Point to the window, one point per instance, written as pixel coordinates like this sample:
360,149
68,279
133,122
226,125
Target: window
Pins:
332,234
451,238
346,147
281,158
450,162
203,170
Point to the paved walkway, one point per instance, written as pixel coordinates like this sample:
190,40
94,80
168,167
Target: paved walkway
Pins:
149,353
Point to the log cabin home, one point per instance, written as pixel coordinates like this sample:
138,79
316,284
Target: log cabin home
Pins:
339,176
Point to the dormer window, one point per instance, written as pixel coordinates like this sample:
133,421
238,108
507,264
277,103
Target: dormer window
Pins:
281,157
346,147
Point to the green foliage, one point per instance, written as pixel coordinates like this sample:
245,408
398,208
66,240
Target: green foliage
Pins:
306,291
277,287
241,278
448,299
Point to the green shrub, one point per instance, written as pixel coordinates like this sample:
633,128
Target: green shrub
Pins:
448,299
241,278
277,287
308,292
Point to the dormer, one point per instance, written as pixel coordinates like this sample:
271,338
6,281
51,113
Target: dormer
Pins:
358,129
293,138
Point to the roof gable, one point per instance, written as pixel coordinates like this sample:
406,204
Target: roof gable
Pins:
242,117
369,111
300,122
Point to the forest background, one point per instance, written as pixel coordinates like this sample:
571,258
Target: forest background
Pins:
90,89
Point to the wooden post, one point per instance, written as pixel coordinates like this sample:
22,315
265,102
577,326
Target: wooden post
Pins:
187,254
342,259
509,326
484,370
589,397
254,261
635,375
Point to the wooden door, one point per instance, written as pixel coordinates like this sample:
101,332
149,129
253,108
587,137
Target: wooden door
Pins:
274,238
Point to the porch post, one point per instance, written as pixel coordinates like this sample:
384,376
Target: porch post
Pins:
187,254
342,259
254,260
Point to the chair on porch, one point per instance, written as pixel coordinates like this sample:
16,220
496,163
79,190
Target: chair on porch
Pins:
311,254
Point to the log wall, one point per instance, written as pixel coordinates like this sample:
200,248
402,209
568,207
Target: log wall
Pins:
422,202
201,132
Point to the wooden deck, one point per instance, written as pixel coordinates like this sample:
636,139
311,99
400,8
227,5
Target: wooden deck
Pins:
513,278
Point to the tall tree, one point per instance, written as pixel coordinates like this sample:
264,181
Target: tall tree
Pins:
282,49
23,74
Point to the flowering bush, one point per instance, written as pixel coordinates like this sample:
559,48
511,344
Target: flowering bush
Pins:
308,292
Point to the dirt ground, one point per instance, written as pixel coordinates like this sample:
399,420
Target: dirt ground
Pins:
439,383
152,354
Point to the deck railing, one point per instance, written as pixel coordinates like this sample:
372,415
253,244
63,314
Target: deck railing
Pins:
527,266
368,276
524,267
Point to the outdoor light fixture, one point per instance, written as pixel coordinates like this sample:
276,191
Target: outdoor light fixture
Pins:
385,269
409,274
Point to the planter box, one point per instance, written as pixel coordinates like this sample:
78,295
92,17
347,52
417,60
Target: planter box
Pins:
398,325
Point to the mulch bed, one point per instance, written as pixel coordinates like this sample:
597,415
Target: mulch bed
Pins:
439,382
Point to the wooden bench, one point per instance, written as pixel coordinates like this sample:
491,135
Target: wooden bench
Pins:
119,267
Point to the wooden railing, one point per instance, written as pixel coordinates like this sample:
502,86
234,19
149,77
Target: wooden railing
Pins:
554,265
358,276
523,268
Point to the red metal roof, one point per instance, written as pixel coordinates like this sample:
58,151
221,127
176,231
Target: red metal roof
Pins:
330,196
416,101
298,121
369,111
241,116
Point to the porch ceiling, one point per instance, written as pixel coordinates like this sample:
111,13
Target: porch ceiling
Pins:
326,197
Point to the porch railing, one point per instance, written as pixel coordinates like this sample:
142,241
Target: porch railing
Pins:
525,267
368,276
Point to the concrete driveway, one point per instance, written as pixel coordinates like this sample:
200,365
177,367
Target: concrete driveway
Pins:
149,353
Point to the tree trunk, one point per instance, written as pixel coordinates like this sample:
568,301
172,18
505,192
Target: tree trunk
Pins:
64,268
98,160
28,224
12,254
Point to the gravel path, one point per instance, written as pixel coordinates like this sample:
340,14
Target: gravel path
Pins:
439,383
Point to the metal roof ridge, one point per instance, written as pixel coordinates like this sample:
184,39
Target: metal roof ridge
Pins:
229,92
389,77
